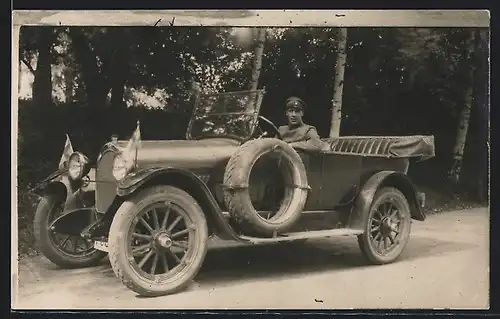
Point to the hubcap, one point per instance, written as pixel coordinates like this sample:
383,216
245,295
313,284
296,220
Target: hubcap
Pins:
163,240
385,227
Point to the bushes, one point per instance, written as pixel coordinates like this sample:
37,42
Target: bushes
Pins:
26,207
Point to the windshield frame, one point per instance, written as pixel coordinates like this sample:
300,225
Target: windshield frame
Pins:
254,114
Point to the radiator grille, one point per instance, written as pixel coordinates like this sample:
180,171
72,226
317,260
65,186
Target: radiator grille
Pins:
106,184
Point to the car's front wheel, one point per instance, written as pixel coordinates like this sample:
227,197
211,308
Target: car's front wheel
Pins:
388,226
158,241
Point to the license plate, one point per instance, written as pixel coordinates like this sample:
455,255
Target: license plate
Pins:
101,245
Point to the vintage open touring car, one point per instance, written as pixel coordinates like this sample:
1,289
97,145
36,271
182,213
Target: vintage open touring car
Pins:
155,204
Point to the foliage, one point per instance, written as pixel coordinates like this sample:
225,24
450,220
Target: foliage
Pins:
397,80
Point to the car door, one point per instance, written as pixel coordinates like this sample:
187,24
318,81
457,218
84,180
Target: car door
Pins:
340,176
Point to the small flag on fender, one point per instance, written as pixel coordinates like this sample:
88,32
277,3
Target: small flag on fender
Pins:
134,142
68,150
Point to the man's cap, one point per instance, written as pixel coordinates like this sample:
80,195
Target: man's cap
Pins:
295,102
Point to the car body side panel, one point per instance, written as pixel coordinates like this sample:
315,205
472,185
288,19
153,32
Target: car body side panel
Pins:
339,174
312,163
377,164
342,175
338,181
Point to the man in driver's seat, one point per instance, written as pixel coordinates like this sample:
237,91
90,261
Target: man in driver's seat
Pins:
298,134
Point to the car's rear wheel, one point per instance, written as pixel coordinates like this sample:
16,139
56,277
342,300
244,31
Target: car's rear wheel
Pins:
158,241
388,227
64,250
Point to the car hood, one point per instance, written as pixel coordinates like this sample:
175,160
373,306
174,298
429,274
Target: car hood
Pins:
186,154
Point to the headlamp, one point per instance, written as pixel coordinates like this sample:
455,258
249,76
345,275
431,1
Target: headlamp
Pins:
78,166
122,165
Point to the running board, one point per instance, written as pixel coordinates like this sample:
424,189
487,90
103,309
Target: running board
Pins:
265,212
304,235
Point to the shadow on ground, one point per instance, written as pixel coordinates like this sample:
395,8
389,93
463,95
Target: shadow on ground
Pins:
293,260
230,265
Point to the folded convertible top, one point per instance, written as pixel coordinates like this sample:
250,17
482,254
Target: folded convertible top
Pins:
382,146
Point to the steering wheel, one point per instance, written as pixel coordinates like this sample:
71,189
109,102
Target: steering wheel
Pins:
264,133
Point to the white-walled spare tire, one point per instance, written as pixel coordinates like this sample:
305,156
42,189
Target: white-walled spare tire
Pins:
236,186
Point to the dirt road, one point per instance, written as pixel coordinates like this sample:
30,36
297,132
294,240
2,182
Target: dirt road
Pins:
445,265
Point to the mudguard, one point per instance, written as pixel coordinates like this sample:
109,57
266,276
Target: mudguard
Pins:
188,181
359,213
73,192
74,222
79,202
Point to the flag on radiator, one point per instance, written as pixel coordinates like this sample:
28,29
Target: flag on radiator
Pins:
67,151
133,144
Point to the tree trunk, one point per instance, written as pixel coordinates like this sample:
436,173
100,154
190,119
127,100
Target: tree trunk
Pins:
463,122
117,93
257,62
96,86
42,85
119,67
338,84
68,84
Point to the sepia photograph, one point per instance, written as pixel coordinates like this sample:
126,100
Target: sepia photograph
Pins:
250,159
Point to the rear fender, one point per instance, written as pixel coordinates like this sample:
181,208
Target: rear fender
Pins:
186,181
364,200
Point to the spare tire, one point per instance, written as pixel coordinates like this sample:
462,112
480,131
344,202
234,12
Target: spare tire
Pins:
236,186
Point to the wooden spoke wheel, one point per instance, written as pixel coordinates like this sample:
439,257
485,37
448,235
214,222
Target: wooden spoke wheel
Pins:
158,241
388,227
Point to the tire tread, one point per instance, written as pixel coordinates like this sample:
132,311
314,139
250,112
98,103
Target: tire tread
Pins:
243,216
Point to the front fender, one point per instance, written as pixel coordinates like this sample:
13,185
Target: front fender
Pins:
359,213
187,181
133,181
73,192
